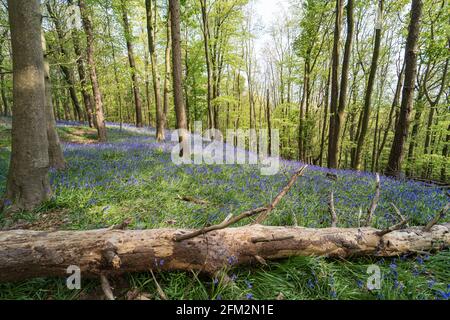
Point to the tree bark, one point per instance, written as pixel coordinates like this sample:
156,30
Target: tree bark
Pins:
180,111
87,97
160,119
369,90
134,80
332,154
28,184
206,38
167,70
401,132
28,254
100,118
67,72
339,118
55,154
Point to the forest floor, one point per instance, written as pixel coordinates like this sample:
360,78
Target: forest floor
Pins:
133,176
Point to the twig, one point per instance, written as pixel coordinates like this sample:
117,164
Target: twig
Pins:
374,204
158,287
436,219
392,228
397,211
106,287
278,198
332,210
193,200
219,226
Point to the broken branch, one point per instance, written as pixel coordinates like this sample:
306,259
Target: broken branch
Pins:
263,216
332,210
374,204
438,217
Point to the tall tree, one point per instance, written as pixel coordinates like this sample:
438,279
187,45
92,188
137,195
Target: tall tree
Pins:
369,89
55,154
28,184
132,62
339,118
402,126
65,67
87,24
332,154
180,111
160,119
80,57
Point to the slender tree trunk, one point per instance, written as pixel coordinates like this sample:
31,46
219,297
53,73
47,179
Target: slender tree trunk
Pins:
339,118
167,71
87,24
87,97
160,122
401,132
67,72
55,154
206,37
134,79
180,110
28,184
269,123
369,90
332,153
325,118
445,154
395,104
3,94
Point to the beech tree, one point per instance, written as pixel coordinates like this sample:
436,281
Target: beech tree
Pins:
401,130
28,185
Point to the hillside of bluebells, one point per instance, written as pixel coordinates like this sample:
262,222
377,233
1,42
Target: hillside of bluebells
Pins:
132,176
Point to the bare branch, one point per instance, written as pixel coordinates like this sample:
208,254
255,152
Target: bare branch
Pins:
222,225
374,204
158,287
438,217
332,210
393,228
106,287
283,192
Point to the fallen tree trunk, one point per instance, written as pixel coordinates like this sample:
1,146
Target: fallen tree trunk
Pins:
28,254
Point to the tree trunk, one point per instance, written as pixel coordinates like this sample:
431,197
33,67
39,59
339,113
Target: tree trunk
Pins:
332,153
206,36
87,24
28,254
180,111
402,127
67,72
167,69
28,184
339,118
160,122
134,80
55,154
87,97
394,106
369,90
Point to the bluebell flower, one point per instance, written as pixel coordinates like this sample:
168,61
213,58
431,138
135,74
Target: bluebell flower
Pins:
249,284
249,296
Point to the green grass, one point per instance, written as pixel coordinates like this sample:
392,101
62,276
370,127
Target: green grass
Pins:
134,177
